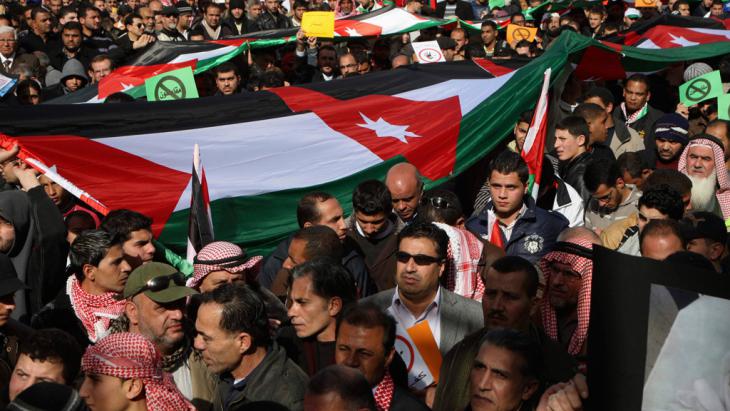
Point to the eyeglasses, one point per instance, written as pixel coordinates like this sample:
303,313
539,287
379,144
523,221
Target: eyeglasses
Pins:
162,282
438,202
419,259
139,25
8,40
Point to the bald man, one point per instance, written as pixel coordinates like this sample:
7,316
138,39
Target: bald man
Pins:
406,189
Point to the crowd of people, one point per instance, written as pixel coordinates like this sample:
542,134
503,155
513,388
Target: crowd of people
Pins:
96,314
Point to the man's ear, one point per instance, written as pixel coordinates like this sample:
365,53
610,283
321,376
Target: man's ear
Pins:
89,271
307,224
335,306
716,250
582,140
244,342
620,183
460,222
133,388
132,313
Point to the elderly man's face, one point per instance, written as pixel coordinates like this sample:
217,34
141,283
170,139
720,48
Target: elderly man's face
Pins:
700,161
8,44
563,286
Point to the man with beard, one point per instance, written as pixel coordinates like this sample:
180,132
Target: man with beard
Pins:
611,198
155,296
710,185
671,135
272,18
71,47
211,26
95,37
565,309
406,189
170,16
510,298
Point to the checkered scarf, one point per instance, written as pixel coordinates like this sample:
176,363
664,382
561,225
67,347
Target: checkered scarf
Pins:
636,115
94,311
583,266
384,393
463,254
222,255
723,193
130,355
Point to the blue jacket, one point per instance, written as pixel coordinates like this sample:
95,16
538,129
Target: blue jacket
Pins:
533,235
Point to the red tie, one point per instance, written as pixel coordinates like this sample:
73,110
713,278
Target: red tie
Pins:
496,237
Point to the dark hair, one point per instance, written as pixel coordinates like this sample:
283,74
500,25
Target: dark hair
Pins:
639,78
72,25
308,207
519,343
724,123
526,117
101,57
514,264
431,210
123,222
665,199
372,197
631,162
322,241
79,221
347,383
665,227
601,171
676,5
329,279
673,178
66,10
576,126
369,315
421,229
490,23
515,14
328,48
85,8
226,67
589,111
52,344
22,89
508,162
119,97
602,93
271,78
212,4
36,10
90,247
242,311
130,18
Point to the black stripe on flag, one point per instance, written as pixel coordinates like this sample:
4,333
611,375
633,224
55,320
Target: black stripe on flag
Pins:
200,232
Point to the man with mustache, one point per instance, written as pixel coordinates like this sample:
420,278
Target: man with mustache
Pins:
710,188
671,135
510,298
155,297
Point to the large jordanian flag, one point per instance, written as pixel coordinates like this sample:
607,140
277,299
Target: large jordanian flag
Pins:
264,150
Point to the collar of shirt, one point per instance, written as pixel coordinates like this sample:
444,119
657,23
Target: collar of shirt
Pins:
435,304
632,197
506,228
3,58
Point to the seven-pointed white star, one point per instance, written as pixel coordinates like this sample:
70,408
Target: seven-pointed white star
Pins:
681,41
352,32
384,129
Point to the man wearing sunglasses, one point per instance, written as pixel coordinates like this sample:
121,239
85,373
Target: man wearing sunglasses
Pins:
419,296
155,296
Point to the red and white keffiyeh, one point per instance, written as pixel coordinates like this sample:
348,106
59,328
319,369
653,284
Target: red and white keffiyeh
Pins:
584,267
462,269
722,193
94,311
130,355
384,393
222,255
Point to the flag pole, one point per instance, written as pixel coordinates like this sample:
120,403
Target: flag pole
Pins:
534,146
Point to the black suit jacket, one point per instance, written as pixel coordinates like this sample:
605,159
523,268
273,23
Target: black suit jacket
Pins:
463,10
405,401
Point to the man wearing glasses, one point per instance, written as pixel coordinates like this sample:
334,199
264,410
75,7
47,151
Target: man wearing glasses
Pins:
611,198
155,295
419,296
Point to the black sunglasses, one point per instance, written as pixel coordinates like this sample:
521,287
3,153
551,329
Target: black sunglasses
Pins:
162,282
438,202
420,259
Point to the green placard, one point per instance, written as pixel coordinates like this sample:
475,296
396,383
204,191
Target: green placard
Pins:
496,3
173,85
723,107
701,88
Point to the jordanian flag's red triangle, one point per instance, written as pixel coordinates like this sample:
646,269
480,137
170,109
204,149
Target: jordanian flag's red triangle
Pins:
389,126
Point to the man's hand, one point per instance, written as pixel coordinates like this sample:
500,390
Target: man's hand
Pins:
27,176
143,41
682,110
6,155
312,42
565,396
